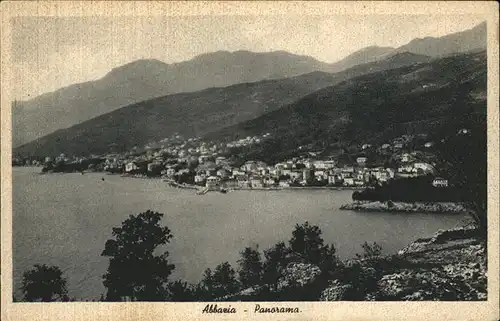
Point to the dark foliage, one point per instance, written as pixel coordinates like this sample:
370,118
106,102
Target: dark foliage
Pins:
135,272
465,158
186,178
370,251
373,108
219,283
181,291
44,284
71,167
308,246
276,259
250,267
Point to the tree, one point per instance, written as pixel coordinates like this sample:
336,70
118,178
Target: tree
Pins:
219,283
44,284
306,242
250,271
206,286
225,281
135,272
180,291
464,160
277,258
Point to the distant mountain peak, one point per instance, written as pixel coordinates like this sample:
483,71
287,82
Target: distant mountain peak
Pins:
144,79
458,42
136,65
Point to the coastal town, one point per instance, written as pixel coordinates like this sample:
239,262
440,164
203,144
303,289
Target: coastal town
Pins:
220,160
192,162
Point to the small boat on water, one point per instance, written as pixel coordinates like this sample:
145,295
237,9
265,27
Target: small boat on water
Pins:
223,191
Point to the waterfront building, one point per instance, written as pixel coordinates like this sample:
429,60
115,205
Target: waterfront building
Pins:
440,182
213,183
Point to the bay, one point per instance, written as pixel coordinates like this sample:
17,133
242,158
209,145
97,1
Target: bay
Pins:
65,220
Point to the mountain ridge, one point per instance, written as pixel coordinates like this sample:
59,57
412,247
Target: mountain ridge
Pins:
221,103
142,80
145,79
441,95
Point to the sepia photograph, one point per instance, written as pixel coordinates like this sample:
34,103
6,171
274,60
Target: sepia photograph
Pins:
264,158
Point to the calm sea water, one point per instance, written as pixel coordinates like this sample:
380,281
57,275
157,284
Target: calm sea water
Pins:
65,220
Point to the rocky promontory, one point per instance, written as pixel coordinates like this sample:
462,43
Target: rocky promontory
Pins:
416,207
451,265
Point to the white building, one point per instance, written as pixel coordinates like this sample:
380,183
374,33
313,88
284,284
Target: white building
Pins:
220,160
334,179
199,178
440,182
131,167
428,168
349,181
213,182
256,182
361,160
405,158
321,174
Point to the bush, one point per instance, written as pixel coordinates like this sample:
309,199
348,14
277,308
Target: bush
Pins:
370,251
44,284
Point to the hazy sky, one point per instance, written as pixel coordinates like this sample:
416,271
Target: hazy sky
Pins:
50,53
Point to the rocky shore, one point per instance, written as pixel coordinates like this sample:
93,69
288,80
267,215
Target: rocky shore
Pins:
450,265
417,207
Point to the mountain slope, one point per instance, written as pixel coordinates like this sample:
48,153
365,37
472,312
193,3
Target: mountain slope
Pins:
187,113
456,43
363,56
468,40
146,79
441,95
194,114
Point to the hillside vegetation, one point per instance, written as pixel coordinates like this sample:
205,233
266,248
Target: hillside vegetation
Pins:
438,97
193,114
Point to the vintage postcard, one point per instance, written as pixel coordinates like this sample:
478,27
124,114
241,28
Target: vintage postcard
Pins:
250,160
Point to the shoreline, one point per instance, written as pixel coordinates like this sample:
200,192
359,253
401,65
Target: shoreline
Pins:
188,186
405,207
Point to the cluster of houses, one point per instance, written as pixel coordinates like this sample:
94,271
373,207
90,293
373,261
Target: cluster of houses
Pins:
295,172
203,164
255,174
248,141
206,164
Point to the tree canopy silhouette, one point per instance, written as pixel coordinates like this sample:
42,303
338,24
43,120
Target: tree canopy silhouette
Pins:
44,284
465,159
308,245
135,272
219,283
250,271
